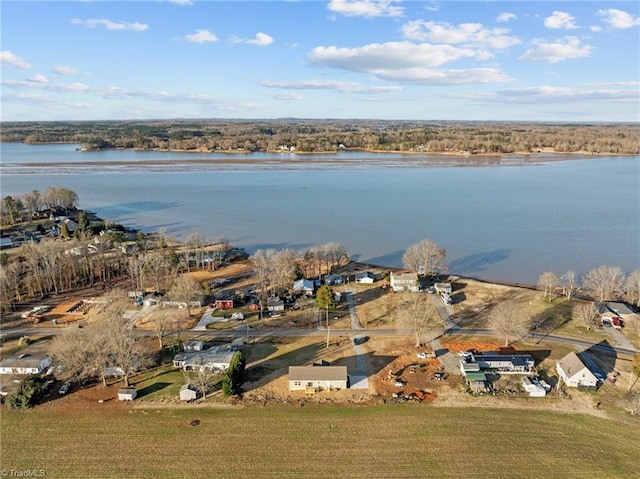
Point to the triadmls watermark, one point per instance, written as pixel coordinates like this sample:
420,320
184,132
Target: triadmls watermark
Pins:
23,473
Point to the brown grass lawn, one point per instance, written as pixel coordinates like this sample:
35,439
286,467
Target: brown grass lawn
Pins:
317,441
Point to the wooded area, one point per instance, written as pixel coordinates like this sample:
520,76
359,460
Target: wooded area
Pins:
303,135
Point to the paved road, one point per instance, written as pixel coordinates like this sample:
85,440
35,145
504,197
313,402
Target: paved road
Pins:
259,332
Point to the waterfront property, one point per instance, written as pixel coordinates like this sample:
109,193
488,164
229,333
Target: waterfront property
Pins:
404,282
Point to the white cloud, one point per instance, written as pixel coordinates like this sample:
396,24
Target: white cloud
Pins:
38,78
260,40
566,48
182,2
505,17
8,58
564,94
407,62
432,6
560,20
466,34
41,82
366,8
391,55
64,70
287,96
341,86
201,36
595,28
426,76
618,19
110,25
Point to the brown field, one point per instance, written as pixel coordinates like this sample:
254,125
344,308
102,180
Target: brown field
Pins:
390,441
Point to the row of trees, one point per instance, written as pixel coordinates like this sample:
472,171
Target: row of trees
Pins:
328,135
13,208
604,283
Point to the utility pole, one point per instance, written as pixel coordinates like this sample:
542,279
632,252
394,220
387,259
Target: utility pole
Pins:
327,327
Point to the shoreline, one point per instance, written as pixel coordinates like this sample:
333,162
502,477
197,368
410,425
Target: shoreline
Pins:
286,161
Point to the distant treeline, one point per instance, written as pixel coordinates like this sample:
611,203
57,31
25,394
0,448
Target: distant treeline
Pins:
333,135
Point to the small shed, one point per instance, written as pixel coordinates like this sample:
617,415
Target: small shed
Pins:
127,394
333,279
188,392
275,304
224,303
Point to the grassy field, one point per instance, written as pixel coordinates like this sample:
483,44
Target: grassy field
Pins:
317,441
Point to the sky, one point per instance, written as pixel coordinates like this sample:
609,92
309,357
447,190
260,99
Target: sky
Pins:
361,59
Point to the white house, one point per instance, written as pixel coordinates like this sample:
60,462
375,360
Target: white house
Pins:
188,392
24,364
404,282
304,286
366,277
443,288
216,358
574,372
302,378
127,394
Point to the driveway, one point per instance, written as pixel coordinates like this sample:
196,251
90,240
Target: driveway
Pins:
359,378
450,361
619,339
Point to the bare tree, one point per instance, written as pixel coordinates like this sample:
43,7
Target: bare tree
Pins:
165,320
604,282
195,243
425,257
204,378
586,314
509,319
418,313
157,268
184,290
275,269
568,282
632,288
548,281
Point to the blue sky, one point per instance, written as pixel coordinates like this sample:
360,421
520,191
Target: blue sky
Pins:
389,59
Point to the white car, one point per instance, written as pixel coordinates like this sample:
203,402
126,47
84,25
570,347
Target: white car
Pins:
465,354
237,316
64,389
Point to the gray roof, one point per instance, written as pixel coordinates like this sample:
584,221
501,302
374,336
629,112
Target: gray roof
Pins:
620,309
23,361
571,364
317,373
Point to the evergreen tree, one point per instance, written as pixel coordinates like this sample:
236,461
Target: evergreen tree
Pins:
234,377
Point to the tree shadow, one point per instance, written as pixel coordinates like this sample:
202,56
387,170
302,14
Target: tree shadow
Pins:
152,388
135,207
478,262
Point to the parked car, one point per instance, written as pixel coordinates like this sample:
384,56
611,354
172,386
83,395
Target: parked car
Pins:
360,340
64,389
237,316
465,354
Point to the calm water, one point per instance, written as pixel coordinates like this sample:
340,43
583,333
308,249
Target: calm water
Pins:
501,222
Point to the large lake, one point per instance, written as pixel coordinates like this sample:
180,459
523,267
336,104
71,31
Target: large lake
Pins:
497,221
